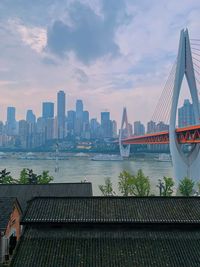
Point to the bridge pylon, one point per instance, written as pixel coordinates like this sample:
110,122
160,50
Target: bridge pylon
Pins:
184,165
125,130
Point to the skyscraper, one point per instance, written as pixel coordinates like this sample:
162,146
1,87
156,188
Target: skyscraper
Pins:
30,117
151,127
186,114
139,128
47,110
71,120
79,117
11,121
61,114
106,124
79,109
11,115
95,128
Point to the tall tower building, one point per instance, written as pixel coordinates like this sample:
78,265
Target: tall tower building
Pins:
71,121
79,117
11,121
186,114
11,115
151,127
61,114
47,110
30,117
106,124
79,109
139,128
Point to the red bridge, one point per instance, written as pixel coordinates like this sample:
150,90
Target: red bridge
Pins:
187,135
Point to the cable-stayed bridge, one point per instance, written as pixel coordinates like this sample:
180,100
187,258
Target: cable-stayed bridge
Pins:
187,65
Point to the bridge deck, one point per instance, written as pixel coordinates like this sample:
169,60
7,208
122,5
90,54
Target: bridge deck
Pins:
190,134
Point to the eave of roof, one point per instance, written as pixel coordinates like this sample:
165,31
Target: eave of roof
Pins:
113,210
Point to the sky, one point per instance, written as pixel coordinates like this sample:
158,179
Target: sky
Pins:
109,53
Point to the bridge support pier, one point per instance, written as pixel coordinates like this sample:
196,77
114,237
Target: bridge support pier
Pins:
184,165
124,149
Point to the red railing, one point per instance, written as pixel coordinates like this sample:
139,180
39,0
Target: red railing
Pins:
190,134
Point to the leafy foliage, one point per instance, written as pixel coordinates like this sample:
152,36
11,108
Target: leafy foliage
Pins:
135,185
125,183
166,186
44,178
140,184
23,179
27,176
6,178
186,187
107,189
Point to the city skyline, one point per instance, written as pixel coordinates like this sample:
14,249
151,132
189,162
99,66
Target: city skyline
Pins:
116,69
74,126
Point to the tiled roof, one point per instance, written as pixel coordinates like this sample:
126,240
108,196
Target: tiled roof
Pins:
6,208
114,210
24,192
42,247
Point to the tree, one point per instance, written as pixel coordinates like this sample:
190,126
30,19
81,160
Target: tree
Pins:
44,178
106,189
166,186
23,179
140,185
186,187
198,193
27,176
6,178
125,183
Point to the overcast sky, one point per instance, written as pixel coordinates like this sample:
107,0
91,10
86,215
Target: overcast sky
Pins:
110,53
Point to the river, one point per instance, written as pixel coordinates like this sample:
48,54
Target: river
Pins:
76,169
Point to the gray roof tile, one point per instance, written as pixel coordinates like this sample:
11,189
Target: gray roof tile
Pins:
25,192
62,247
114,210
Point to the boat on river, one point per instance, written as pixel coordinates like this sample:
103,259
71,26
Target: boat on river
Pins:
164,157
107,157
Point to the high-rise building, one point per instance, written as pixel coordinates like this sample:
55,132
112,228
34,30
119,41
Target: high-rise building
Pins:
1,128
23,133
47,110
11,121
186,114
130,129
151,127
86,118
86,125
11,115
71,121
30,116
49,129
95,128
79,109
114,129
139,128
61,114
79,117
161,126
106,124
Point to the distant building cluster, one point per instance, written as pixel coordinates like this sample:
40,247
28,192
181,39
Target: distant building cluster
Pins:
185,118
35,132
73,125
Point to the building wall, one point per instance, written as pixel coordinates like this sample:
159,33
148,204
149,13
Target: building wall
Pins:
13,227
14,223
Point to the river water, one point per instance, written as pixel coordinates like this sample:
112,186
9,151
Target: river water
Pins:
76,169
